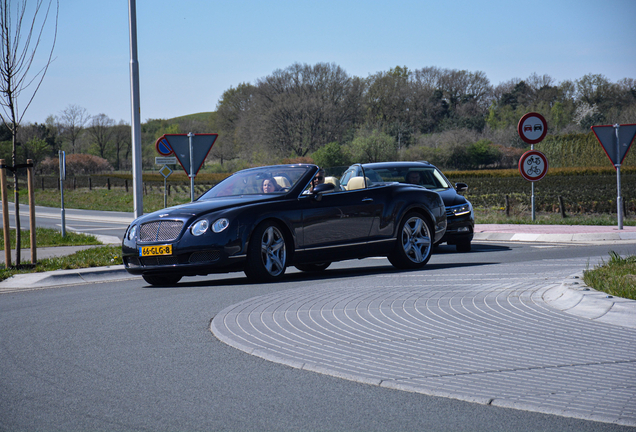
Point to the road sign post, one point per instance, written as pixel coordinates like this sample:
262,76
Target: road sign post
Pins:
190,135
165,171
62,157
532,128
616,140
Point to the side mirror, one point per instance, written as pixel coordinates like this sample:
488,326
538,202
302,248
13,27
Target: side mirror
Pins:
323,187
461,187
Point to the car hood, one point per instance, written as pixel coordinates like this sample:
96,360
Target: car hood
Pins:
200,208
451,197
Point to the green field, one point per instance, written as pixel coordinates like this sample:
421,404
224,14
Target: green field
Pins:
587,196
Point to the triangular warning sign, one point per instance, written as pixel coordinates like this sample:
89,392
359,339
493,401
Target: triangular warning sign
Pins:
201,145
606,135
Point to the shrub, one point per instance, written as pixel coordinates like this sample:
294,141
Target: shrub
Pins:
76,164
331,155
374,146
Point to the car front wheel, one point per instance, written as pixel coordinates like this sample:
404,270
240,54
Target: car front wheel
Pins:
414,243
267,253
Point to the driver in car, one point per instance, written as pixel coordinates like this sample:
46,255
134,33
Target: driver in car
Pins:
318,179
413,177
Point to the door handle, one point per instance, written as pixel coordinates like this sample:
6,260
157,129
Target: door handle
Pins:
367,200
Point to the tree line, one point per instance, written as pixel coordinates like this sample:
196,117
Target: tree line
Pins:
453,118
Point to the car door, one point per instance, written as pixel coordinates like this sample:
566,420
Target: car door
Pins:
338,218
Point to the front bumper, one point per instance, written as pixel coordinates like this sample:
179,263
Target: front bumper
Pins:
459,229
192,263
190,255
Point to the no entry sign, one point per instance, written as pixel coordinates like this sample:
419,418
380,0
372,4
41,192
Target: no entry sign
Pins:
533,165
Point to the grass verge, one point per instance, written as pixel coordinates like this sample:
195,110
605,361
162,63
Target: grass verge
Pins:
616,277
46,237
94,257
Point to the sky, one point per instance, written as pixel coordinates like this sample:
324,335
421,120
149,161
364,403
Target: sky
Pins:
191,51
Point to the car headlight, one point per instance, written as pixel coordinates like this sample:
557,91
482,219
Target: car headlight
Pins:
220,224
200,227
460,209
132,231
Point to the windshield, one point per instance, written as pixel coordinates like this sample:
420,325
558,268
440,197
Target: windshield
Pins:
273,179
429,177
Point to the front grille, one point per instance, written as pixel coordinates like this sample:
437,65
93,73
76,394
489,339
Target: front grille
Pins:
159,260
160,231
132,261
205,256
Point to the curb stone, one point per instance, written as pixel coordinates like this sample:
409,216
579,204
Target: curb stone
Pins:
574,297
32,281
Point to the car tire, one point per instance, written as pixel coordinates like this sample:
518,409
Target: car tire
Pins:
463,247
414,243
313,267
162,280
266,253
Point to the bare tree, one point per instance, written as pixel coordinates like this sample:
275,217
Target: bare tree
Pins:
305,107
72,121
121,141
101,130
232,110
21,38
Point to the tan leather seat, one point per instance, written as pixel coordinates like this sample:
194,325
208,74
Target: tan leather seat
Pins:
282,181
334,181
356,183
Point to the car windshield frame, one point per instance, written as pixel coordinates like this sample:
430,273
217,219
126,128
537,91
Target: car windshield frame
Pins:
250,181
430,176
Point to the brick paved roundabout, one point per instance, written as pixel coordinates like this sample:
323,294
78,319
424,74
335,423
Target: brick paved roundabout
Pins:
480,334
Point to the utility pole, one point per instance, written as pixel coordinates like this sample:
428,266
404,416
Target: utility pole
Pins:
136,112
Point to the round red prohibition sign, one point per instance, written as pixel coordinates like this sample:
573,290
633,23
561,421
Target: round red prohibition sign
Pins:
163,146
532,128
533,165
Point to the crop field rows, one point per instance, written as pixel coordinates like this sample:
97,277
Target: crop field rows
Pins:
580,193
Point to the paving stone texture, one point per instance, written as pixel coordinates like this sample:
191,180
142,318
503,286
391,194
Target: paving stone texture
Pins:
477,334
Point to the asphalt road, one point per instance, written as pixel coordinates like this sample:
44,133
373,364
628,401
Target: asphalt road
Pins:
126,356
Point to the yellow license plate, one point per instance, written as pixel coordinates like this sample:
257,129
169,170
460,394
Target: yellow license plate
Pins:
155,250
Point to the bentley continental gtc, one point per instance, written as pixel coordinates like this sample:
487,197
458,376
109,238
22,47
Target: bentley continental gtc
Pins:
263,220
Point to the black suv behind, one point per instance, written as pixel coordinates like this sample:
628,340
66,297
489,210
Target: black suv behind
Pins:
459,211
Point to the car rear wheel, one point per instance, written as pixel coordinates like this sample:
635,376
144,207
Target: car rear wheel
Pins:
414,243
313,267
267,253
162,280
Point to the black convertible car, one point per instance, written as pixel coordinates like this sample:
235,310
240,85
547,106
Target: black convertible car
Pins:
262,220
459,211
